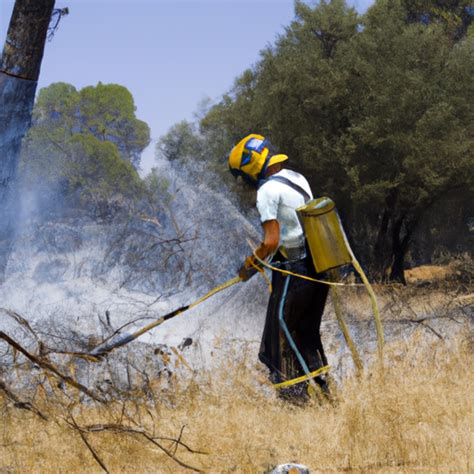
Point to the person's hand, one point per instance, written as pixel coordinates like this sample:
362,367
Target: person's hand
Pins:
249,268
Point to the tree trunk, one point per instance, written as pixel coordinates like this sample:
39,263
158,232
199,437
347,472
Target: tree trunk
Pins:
19,71
380,246
383,245
399,250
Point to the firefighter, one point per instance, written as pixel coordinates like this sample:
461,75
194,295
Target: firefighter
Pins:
291,342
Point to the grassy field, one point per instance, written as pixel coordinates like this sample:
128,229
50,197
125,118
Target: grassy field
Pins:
415,416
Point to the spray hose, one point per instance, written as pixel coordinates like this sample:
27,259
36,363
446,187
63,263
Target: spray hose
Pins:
106,347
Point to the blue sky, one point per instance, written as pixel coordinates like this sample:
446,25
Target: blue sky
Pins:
170,54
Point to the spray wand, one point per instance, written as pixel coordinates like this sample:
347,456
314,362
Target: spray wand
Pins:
109,346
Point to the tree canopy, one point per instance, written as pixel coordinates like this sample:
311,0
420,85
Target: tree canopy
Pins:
106,111
376,110
84,145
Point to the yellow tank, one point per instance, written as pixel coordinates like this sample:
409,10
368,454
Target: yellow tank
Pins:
324,233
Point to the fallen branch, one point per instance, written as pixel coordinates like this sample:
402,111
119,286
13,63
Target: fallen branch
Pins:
80,355
117,428
89,447
51,368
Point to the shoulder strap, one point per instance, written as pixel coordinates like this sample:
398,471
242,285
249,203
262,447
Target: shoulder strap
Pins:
289,183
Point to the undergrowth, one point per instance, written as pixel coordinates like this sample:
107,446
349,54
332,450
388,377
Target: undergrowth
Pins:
414,416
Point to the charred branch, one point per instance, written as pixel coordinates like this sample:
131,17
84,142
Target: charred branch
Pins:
49,367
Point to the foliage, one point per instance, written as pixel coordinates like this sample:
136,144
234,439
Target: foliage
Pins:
82,147
106,111
375,110
80,172
180,143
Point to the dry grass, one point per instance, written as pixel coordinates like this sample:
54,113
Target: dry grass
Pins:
417,417
457,269
429,273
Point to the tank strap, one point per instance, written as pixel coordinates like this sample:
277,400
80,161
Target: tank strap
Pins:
289,183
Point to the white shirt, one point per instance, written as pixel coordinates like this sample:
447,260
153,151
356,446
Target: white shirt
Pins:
276,200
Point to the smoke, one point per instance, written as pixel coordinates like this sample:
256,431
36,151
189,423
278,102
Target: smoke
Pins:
79,279
69,267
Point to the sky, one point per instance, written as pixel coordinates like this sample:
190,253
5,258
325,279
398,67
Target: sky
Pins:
170,54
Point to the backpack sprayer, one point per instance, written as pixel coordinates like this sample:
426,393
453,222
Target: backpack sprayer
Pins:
330,249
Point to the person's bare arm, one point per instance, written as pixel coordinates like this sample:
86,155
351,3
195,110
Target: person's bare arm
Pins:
271,239
269,245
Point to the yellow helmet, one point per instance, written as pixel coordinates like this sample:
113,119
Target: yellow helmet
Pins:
251,157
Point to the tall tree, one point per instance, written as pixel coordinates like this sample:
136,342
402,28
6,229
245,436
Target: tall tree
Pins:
81,148
410,140
106,111
19,71
376,111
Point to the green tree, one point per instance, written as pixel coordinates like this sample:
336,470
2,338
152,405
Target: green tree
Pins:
375,110
409,142
106,111
77,172
74,151
181,142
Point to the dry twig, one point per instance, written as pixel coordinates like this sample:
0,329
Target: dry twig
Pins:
117,428
89,446
45,365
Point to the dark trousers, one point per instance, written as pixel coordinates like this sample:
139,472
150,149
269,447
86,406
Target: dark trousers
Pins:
302,305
